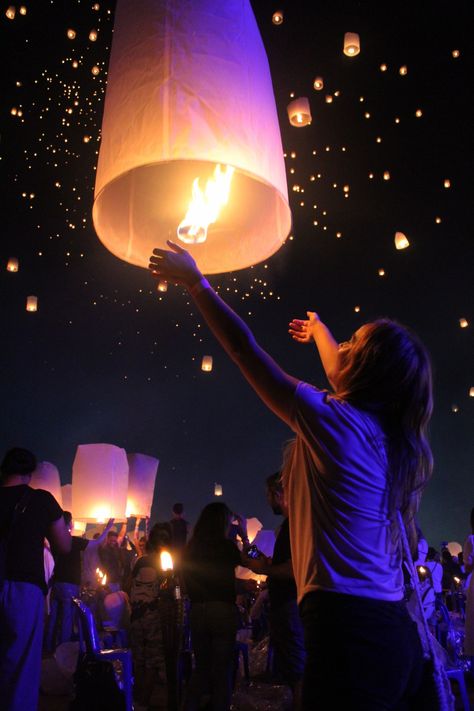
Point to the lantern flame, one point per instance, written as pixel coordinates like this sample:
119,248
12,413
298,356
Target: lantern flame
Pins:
166,561
205,206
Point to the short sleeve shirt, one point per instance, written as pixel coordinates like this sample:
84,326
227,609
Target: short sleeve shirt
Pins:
281,590
341,533
67,567
25,558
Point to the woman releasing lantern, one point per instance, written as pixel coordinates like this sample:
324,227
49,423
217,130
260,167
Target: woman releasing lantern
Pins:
361,454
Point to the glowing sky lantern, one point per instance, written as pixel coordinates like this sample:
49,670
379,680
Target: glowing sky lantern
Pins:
253,527
71,34
32,303
142,470
218,489
351,44
162,285
99,482
277,17
66,494
12,264
95,70
401,241
454,548
471,392
46,476
23,10
187,91
10,12
299,112
318,83
93,35
206,363
463,322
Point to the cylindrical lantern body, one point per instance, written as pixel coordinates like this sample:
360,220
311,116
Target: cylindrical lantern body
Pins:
318,83
351,44
206,364
99,482
189,88
253,527
32,303
142,471
299,112
66,493
12,265
401,241
218,490
46,476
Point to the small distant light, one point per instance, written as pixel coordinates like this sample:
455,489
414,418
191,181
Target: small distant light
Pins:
438,220
403,71
318,83
277,18
75,64
386,175
10,12
93,35
378,139
292,154
86,139
456,53
418,113
338,235
447,183
14,111
95,70
367,115
71,34
463,322
381,272
357,309
346,188
12,265
328,99
397,120
371,176
23,10
383,67
471,392
454,408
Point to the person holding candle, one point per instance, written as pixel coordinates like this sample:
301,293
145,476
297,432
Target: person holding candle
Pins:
361,455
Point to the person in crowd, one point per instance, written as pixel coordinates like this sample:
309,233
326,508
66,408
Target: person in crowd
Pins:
361,455
451,570
208,570
433,564
468,557
145,630
286,630
139,541
179,531
114,560
27,517
91,559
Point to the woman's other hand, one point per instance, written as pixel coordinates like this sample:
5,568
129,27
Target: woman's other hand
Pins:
302,330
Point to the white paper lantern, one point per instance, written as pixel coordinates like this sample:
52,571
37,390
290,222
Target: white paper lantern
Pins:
401,241
12,264
454,548
142,471
299,112
99,482
189,89
32,303
218,490
66,493
253,527
206,363
351,44
318,83
46,476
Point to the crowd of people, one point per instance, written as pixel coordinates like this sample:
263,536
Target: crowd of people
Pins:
349,490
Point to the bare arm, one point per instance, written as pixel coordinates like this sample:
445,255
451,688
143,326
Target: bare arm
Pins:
315,330
103,535
59,537
275,387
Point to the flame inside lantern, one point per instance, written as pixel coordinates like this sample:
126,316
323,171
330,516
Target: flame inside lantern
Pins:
166,561
205,206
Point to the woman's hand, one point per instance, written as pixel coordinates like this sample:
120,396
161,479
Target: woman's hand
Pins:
175,265
303,331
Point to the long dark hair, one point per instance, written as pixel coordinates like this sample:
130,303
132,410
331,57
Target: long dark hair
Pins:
387,370
211,527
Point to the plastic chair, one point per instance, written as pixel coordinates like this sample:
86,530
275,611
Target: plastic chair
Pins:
458,676
90,645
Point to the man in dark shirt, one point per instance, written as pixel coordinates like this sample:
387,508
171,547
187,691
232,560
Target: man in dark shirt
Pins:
179,528
27,517
286,631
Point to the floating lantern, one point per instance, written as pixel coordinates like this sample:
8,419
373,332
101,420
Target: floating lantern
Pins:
277,17
66,495
318,83
93,35
206,364
401,241
10,12
357,309
86,139
383,67
447,183
217,489
12,264
454,408
463,322
162,285
99,482
32,303
142,471
418,113
253,527
46,476
386,175
23,10
178,104
328,99
403,71
454,548
71,34
471,392
95,70
299,112
351,44
381,272
166,561
455,53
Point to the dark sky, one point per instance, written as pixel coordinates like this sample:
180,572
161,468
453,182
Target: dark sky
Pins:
105,359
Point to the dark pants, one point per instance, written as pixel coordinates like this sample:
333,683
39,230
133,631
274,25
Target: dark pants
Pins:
21,632
362,654
213,630
287,639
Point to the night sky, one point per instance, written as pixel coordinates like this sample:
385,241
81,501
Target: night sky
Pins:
108,359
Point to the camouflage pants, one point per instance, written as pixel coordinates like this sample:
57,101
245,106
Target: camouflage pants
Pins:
147,641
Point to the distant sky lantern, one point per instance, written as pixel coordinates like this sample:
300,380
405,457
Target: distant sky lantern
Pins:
142,470
32,303
401,241
277,17
178,104
381,272
99,482
351,44
10,12
218,490
93,35
299,112
463,322
455,53
95,70
12,264
386,175
46,476
383,67
471,392
318,83
66,494
328,98
206,364
162,285
23,10
418,113
403,71
86,139
447,183
71,34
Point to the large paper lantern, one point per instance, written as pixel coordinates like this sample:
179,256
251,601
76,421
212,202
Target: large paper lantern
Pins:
189,92
99,482
253,527
66,493
46,476
141,484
